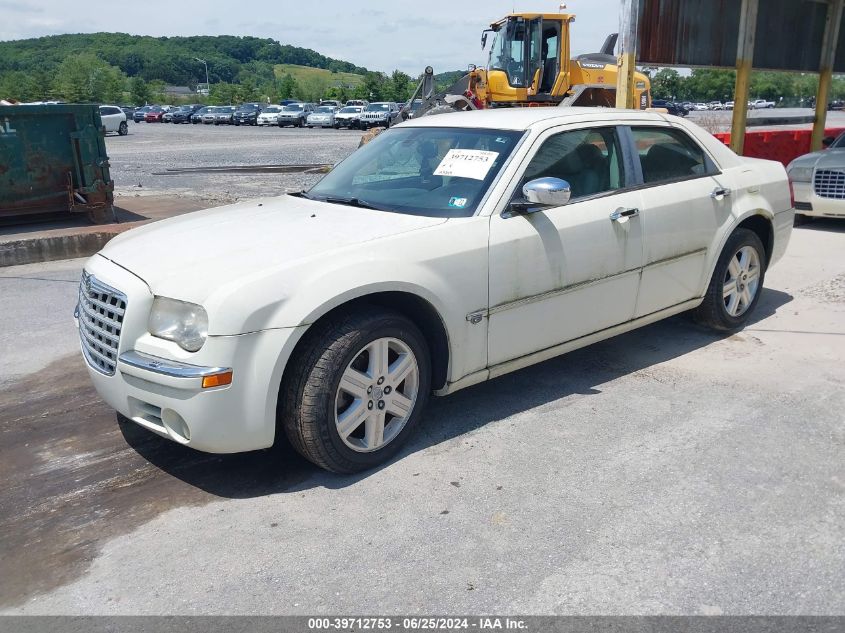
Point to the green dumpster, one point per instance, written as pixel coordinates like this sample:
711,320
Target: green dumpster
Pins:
53,159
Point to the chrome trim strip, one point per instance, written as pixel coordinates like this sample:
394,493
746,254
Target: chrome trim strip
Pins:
165,367
549,294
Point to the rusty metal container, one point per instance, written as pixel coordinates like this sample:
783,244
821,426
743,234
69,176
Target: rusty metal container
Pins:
53,159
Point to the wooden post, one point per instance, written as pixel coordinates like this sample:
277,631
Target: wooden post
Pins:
744,63
628,26
829,43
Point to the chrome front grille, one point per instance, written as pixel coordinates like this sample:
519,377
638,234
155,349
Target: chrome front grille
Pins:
100,312
829,183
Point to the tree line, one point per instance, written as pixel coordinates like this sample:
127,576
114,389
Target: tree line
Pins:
786,88
127,69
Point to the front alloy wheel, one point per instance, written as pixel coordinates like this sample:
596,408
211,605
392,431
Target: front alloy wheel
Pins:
376,395
355,389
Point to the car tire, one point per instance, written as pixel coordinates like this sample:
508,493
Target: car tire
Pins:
123,129
313,401
736,285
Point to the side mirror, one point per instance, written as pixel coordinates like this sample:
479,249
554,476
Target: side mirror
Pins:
540,193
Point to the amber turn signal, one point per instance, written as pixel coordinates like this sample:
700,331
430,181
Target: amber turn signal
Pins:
217,380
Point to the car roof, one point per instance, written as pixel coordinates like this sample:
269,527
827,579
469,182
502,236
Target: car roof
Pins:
525,118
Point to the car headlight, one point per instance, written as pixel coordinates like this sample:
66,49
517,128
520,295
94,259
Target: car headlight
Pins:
186,324
800,174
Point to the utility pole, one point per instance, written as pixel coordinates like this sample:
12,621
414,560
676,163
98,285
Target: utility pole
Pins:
628,34
744,63
830,38
207,84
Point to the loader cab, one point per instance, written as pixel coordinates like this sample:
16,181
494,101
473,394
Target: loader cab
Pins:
529,58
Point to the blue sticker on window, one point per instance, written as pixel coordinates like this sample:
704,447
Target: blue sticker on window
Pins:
458,203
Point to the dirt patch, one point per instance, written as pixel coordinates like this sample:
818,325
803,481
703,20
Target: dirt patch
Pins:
75,476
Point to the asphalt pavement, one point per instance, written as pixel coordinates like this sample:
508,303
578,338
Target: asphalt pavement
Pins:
665,471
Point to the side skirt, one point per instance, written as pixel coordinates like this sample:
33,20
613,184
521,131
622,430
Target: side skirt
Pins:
550,352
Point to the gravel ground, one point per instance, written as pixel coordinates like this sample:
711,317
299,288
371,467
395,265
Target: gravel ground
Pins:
138,159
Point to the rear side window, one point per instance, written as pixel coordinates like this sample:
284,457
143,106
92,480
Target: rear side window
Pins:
668,154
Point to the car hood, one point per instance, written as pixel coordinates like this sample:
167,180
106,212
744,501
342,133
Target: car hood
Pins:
190,256
828,158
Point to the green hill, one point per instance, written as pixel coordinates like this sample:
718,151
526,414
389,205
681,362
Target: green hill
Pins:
168,59
305,74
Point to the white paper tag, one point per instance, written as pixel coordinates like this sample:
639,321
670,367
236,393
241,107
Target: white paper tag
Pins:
466,163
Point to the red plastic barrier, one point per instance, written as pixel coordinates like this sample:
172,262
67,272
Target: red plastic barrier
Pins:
781,145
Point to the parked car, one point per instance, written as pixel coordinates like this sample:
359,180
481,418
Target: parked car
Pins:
129,111
210,115
701,106
715,105
818,182
295,114
269,116
382,113
762,104
357,102
671,107
322,116
285,102
140,113
197,116
223,115
330,102
183,114
445,252
349,116
155,114
246,114
114,120
729,105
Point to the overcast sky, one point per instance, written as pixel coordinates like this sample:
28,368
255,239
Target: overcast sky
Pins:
379,34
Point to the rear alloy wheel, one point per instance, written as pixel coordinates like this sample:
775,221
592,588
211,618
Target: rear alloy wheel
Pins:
357,391
123,129
736,283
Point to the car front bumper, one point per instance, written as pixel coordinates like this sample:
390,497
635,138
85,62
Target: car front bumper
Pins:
160,387
810,204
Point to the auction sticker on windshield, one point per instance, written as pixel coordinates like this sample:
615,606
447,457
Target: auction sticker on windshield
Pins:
466,163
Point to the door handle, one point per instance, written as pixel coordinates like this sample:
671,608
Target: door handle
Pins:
720,193
622,213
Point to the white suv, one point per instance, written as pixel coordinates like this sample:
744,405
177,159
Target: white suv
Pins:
114,119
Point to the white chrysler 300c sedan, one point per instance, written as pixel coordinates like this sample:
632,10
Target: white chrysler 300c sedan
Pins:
449,250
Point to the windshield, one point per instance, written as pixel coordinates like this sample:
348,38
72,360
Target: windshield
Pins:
508,51
375,107
439,172
226,110
272,110
350,110
293,108
247,108
325,109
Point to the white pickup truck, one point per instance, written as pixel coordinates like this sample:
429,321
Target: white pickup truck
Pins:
448,251
762,104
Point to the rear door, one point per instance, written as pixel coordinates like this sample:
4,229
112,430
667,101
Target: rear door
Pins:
685,199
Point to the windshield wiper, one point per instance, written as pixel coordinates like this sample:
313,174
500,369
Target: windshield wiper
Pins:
352,202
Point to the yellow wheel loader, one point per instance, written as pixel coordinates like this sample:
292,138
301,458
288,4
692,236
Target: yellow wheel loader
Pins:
530,66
